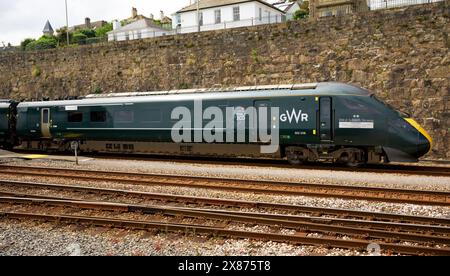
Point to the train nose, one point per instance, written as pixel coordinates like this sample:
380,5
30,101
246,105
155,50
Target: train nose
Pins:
423,145
424,141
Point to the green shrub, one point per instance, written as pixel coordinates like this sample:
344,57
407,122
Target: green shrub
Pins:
79,38
45,42
23,44
87,32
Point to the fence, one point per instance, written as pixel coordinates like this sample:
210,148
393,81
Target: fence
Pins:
389,4
141,34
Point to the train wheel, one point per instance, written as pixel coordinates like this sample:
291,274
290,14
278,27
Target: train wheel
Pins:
297,155
352,158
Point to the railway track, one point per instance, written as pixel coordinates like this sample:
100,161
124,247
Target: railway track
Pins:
10,188
239,185
427,170
438,233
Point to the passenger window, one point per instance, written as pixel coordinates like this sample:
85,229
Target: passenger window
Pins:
74,117
45,116
151,116
123,116
98,116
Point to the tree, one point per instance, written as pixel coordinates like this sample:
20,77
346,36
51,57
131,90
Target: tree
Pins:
303,12
45,42
101,32
25,42
62,36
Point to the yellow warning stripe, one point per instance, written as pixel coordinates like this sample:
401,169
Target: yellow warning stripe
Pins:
421,130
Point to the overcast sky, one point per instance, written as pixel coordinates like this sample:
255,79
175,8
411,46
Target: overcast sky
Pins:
20,19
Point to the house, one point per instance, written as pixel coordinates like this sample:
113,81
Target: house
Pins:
322,8
48,29
224,14
142,28
88,25
289,7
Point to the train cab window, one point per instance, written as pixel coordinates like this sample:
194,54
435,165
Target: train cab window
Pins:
98,116
123,116
74,117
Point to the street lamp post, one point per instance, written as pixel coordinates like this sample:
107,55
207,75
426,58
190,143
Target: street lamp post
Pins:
198,15
67,25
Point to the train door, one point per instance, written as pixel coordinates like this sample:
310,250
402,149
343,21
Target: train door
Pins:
45,123
326,119
263,119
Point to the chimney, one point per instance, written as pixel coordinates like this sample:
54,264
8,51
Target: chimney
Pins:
116,25
152,16
134,13
162,15
87,22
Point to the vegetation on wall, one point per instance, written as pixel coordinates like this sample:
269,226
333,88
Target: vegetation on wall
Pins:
303,12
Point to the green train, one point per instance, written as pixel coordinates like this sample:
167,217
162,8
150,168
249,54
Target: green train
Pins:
318,122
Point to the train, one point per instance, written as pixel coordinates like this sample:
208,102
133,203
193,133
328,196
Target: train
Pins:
301,123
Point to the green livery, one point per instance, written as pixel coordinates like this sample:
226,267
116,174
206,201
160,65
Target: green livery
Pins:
315,122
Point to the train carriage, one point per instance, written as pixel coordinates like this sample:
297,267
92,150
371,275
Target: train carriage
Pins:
4,122
315,122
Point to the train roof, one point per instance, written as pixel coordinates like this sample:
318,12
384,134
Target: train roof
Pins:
4,103
269,91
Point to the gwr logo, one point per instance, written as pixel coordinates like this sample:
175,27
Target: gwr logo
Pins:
294,115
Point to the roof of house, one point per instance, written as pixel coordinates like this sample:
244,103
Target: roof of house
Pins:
94,25
48,27
204,4
284,5
138,25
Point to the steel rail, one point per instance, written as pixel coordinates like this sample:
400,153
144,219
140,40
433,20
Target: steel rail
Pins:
215,231
245,218
225,202
239,185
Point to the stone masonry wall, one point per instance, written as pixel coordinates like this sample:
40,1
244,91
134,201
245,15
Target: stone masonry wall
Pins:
401,54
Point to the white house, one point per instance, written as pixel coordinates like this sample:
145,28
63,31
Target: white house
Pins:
224,14
142,28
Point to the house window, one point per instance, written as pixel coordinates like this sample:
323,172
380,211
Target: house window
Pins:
74,117
139,35
178,20
217,16
123,116
328,13
200,19
127,36
98,116
260,14
236,14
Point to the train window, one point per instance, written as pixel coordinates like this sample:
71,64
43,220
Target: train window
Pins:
123,116
74,117
45,116
357,105
98,116
151,116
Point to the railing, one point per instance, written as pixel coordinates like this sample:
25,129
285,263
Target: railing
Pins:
131,35
389,4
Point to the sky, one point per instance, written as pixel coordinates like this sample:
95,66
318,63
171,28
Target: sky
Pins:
20,19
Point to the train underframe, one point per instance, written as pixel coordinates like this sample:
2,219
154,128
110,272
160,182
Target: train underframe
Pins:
294,154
